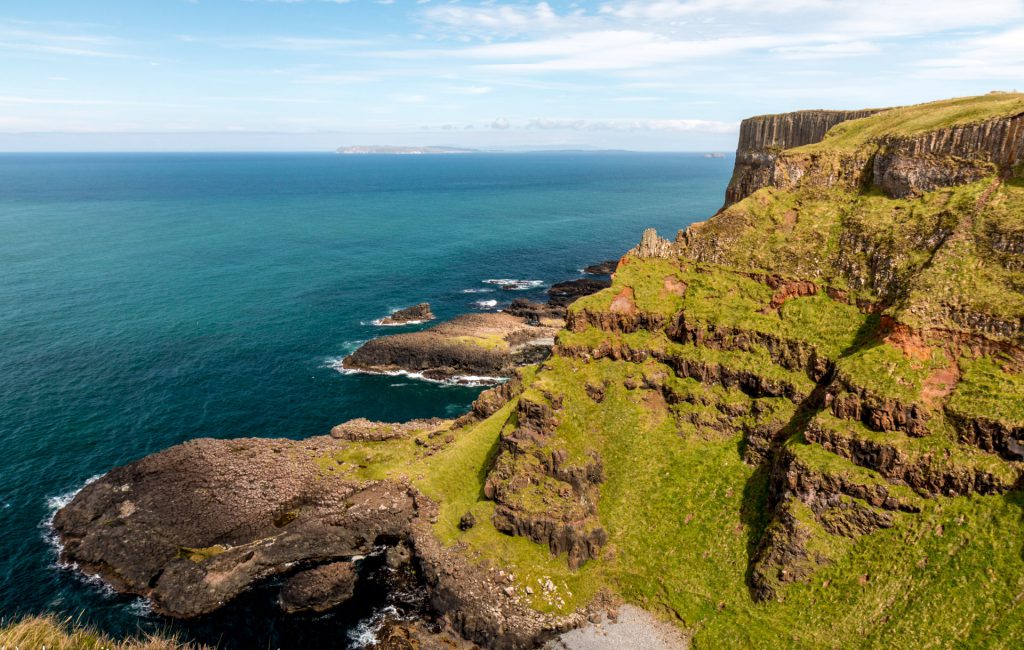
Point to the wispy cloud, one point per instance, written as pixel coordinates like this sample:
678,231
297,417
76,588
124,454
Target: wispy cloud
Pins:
705,126
280,43
37,41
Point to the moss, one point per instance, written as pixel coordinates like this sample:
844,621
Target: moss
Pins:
198,555
487,341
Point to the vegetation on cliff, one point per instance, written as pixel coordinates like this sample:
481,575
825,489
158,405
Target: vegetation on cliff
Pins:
797,425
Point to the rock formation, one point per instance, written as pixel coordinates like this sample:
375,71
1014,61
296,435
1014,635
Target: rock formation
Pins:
764,136
416,314
602,268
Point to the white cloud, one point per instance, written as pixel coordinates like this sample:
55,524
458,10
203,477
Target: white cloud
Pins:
495,19
501,123
994,56
705,126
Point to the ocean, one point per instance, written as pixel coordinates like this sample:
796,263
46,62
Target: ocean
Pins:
148,299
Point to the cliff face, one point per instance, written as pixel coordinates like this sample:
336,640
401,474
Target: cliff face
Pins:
764,136
899,164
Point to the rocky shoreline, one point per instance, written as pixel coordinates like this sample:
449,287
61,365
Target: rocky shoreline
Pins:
194,526
475,348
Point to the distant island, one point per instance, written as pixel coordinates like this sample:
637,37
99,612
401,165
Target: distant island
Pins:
390,149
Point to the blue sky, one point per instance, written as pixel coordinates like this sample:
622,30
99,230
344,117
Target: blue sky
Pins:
316,74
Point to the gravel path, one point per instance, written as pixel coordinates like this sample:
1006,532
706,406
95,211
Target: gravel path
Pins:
635,629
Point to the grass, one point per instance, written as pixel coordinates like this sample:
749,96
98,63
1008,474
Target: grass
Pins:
917,119
702,511
651,293
887,372
52,633
986,390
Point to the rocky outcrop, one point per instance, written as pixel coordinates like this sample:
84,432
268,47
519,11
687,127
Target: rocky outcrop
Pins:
602,268
929,474
410,315
193,526
905,166
539,494
363,430
811,504
763,137
488,345
651,245
899,165
850,402
563,294
318,589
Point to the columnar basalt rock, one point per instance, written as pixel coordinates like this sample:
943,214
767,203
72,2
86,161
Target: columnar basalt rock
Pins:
764,136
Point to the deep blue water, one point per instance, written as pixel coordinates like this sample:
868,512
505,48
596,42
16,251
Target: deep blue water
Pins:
149,299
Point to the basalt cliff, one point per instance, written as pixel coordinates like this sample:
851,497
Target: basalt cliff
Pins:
799,423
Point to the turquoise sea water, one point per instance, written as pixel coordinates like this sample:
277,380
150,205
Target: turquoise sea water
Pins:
149,299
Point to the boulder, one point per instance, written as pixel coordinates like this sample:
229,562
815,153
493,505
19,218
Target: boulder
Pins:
416,314
318,589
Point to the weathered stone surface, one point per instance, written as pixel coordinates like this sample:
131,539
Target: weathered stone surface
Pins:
489,345
193,526
602,268
651,245
764,136
363,430
416,314
318,589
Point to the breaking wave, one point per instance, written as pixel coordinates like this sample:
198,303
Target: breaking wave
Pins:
337,364
516,285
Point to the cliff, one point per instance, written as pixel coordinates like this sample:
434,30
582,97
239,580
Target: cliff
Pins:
902,151
764,136
798,424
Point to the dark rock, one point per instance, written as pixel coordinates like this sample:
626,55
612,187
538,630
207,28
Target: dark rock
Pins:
565,293
318,589
467,521
535,312
398,555
416,314
193,526
602,268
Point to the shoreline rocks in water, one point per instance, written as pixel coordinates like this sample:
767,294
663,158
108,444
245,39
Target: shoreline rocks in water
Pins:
564,294
602,268
318,589
409,316
193,526
472,346
475,348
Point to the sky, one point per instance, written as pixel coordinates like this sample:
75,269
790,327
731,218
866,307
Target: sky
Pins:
675,75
